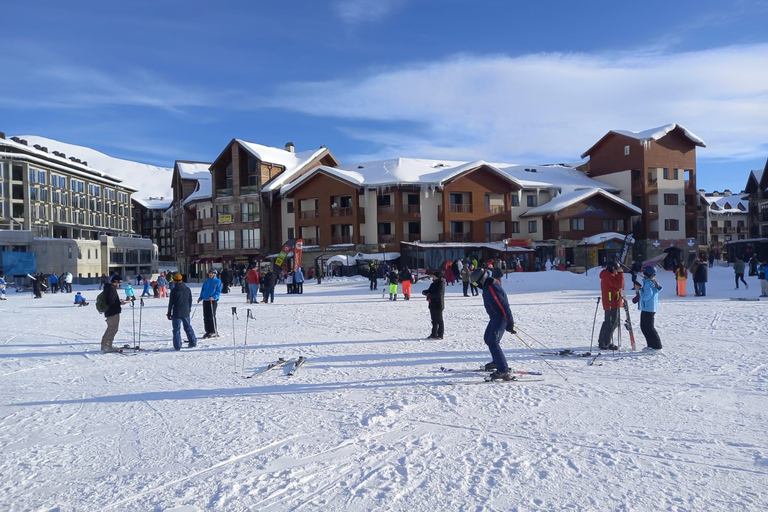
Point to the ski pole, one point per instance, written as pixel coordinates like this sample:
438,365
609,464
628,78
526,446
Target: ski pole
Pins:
539,356
597,306
194,310
213,316
133,322
245,338
141,308
234,344
517,328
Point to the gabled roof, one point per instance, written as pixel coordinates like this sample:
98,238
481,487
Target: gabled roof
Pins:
567,199
193,170
649,135
734,203
154,203
203,191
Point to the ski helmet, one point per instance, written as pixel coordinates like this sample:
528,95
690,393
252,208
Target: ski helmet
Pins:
478,276
649,271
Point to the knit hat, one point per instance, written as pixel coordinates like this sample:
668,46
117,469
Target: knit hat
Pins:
177,278
116,279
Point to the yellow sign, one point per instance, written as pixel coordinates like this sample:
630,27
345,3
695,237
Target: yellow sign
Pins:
225,218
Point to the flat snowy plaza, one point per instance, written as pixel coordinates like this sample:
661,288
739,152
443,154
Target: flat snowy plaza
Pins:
370,422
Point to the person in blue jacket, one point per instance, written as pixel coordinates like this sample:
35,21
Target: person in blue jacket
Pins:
210,293
298,281
648,304
500,320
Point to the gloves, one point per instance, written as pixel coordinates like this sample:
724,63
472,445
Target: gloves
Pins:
424,292
169,316
511,328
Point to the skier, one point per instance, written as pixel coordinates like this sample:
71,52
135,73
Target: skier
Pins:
112,315
37,286
394,279
611,286
406,280
436,297
500,320
179,306
210,293
649,302
130,295
146,292
162,282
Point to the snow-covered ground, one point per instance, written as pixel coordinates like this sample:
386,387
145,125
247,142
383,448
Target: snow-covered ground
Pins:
370,423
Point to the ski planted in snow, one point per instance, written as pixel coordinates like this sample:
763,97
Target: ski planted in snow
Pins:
483,370
628,325
298,364
271,366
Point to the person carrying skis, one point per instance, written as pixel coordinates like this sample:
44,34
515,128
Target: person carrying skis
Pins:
394,279
179,306
210,293
649,303
112,314
612,288
500,320
436,297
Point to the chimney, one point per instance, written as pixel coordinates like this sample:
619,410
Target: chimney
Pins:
726,192
290,147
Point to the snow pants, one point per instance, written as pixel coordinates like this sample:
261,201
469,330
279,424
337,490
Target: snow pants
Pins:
177,324
610,323
492,337
438,326
649,331
407,289
681,287
763,288
209,316
113,323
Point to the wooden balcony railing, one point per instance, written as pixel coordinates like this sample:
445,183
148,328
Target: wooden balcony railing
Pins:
411,209
310,241
716,231
386,239
496,209
386,210
341,240
455,237
412,237
456,208
308,214
341,212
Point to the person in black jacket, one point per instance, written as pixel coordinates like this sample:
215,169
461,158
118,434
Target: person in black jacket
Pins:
700,279
394,279
436,296
269,282
179,307
112,314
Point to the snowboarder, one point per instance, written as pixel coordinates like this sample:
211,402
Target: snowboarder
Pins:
612,287
648,305
436,297
112,314
179,306
210,293
500,320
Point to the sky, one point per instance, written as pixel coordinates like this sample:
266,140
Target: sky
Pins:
494,80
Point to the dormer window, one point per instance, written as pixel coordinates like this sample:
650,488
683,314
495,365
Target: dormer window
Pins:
626,149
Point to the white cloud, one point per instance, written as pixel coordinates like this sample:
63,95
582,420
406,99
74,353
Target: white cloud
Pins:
355,12
551,105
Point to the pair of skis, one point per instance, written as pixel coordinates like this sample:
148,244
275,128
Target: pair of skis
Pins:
281,363
518,376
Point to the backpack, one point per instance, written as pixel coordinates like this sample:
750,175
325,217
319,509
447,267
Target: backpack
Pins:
101,302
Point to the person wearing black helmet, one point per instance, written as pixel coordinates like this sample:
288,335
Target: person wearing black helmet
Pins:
500,321
436,296
210,293
649,302
612,288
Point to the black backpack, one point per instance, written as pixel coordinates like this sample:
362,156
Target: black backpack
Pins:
101,302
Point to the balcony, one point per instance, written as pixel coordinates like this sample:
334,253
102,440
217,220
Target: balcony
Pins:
455,208
386,239
308,214
715,231
198,224
411,209
335,240
310,241
495,237
653,211
341,212
412,237
197,249
455,237
223,192
729,230
652,183
386,210
249,190
496,209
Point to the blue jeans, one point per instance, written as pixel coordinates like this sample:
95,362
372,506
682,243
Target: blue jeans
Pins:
253,292
492,338
191,338
269,294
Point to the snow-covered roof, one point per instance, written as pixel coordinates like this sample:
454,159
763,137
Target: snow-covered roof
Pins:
203,191
570,198
652,134
292,162
727,204
435,173
154,203
193,170
352,259
602,237
497,246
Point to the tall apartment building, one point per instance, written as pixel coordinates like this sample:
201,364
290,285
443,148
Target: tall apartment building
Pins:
656,171
152,219
757,189
192,216
723,218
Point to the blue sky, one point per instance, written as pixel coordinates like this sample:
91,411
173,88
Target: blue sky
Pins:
502,81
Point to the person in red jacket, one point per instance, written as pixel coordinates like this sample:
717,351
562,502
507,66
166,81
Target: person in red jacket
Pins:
612,288
253,285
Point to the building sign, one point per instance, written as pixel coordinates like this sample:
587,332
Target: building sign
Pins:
225,218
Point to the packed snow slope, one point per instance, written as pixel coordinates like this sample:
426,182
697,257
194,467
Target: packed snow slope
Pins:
370,422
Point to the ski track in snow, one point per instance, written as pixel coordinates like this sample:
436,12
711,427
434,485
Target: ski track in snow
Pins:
367,423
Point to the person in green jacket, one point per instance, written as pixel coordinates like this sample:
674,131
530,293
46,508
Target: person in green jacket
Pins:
738,270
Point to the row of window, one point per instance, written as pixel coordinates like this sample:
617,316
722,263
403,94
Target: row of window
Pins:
58,181
250,238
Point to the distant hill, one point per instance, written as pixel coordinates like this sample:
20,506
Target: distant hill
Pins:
150,180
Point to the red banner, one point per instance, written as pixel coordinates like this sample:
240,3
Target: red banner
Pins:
297,250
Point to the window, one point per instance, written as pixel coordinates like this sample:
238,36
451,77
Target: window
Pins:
291,233
515,226
253,172
223,215
250,212
229,176
577,224
532,226
620,225
671,224
251,238
531,201
289,205
670,175
226,239
670,199
626,149
607,224
514,200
